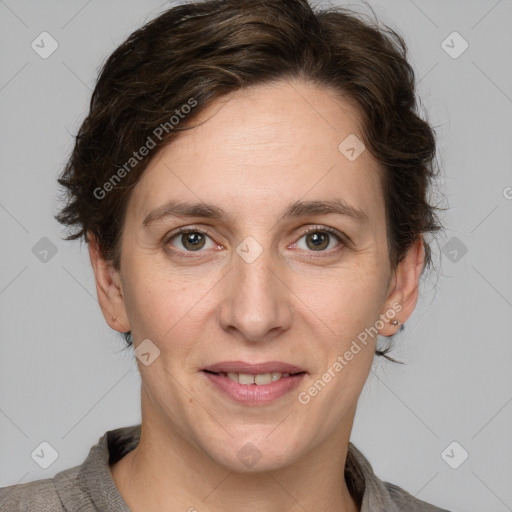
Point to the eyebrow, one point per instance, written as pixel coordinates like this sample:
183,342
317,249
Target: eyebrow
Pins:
293,210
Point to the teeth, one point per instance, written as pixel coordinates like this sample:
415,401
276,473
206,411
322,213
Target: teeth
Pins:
266,378
245,378
260,379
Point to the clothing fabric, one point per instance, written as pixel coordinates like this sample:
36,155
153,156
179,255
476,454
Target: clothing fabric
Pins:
90,487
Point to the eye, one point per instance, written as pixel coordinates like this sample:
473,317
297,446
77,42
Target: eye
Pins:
319,238
190,239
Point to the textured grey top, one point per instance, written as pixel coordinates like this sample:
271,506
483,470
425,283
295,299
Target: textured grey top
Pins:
90,487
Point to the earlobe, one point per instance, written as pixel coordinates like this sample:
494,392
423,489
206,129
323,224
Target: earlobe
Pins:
403,296
108,288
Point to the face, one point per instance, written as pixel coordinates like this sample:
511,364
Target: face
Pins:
267,273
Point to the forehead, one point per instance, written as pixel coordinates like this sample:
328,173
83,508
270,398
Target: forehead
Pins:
261,148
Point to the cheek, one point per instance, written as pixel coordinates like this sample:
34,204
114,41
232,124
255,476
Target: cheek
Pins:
350,310
345,300
151,300
163,306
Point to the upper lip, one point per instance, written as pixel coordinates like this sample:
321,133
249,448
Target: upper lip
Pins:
253,368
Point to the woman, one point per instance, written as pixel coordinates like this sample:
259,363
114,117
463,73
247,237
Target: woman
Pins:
251,181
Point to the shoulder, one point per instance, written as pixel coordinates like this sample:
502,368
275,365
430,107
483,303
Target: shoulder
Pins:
37,496
86,487
376,494
405,501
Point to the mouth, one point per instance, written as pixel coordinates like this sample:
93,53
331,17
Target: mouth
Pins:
254,373
254,384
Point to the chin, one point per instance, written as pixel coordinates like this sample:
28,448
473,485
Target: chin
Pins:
252,454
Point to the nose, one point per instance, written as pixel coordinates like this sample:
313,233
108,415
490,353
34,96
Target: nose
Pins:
257,301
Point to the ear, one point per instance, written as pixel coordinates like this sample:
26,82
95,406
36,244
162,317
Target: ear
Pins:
108,288
403,289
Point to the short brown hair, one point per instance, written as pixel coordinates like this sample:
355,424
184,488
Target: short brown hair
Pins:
194,53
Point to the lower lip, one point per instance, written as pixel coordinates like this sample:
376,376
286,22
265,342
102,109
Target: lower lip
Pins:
253,394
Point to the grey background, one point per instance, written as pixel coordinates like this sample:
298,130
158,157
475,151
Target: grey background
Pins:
63,377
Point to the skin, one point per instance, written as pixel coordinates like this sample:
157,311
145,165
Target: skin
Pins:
256,151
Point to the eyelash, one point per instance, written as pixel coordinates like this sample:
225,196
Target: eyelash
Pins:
313,229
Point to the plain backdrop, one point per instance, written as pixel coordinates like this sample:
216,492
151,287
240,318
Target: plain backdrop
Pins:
63,377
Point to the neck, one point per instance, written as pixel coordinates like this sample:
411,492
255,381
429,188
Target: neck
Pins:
166,472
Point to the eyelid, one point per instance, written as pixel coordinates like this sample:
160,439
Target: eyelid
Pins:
332,231
186,229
